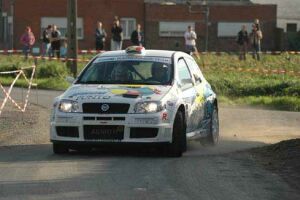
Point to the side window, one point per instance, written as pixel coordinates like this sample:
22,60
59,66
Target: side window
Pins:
196,72
184,75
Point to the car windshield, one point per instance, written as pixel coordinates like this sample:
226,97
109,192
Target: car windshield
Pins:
150,71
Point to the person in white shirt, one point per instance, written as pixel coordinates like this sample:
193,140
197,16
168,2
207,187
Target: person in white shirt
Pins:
190,41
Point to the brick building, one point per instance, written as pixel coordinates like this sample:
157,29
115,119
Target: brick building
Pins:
164,23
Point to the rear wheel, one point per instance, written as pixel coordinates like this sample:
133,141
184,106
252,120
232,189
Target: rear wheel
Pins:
60,149
213,135
178,144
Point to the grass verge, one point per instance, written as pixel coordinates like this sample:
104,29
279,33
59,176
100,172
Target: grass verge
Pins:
227,75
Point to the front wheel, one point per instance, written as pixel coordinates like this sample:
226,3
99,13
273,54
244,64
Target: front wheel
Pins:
178,144
213,136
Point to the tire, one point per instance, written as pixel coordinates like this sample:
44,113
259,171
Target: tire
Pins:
178,145
213,136
60,149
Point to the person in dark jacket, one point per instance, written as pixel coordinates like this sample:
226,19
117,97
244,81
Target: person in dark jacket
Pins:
55,41
117,36
46,46
100,36
137,36
243,41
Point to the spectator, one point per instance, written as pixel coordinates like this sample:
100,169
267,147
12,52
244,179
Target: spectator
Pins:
116,18
190,41
63,49
137,36
55,41
117,36
257,24
100,36
256,36
46,45
28,40
242,41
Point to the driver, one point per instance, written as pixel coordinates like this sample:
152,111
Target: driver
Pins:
120,73
158,72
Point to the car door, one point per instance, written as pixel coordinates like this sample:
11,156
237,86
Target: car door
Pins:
186,85
198,109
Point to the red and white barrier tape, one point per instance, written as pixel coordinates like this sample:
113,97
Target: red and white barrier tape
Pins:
59,59
10,51
260,70
81,51
7,94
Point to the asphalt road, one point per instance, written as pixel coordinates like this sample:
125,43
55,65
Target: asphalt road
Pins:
32,171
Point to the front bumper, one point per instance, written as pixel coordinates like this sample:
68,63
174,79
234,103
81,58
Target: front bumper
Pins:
136,128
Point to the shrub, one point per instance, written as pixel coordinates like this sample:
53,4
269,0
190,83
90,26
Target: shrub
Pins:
52,69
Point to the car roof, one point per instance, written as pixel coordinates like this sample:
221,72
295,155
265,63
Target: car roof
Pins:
150,53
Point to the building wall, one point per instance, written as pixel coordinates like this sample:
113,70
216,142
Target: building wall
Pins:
91,11
217,13
148,15
4,25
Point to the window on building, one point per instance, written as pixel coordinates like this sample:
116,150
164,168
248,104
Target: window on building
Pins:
61,23
128,25
230,29
174,29
291,27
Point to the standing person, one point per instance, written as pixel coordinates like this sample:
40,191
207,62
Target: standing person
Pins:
55,41
28,40
63,48
46,46
117,36
257,24
242,41
137,36
190,41
100,36
256,36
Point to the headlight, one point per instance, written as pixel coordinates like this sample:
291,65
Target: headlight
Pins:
148,107
68,106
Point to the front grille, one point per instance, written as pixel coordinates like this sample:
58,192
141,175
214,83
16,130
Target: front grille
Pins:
113,108
103,132
143,132
104,118
67,131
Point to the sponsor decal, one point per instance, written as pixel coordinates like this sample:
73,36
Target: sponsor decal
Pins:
135,90
134,58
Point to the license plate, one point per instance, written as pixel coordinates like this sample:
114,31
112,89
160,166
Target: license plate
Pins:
107,132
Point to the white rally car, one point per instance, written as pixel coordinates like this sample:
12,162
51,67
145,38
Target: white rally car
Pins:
136,96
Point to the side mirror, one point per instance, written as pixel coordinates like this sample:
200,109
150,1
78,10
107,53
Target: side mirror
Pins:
197,78
70,79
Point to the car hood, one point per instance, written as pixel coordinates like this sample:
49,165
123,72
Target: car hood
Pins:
114,92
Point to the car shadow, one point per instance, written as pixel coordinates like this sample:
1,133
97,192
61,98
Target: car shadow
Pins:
43,152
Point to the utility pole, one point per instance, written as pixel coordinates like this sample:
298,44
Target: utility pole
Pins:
1,21
72,36
203,10
207,26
